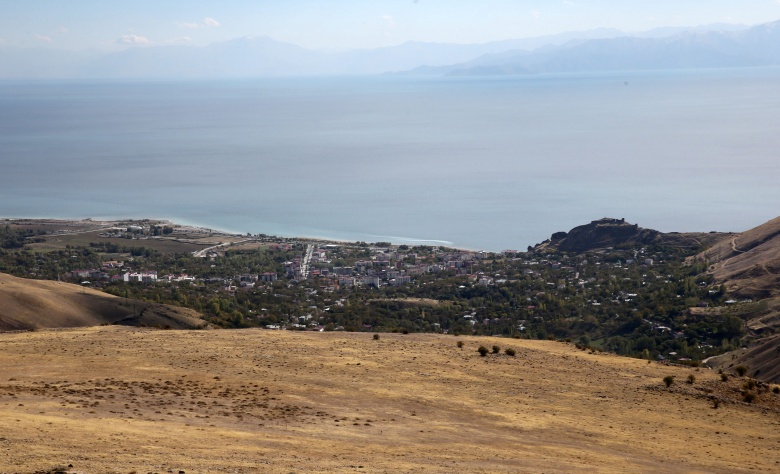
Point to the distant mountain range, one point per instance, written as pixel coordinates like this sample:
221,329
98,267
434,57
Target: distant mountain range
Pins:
756,46
602,49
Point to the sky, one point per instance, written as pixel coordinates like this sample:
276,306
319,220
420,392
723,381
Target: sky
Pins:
345,24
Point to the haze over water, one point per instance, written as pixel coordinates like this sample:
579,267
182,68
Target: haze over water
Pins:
483,163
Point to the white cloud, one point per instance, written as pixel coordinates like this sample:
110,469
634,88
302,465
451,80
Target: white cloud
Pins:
206,23
43,38
569,2
133,39
389,20
536,13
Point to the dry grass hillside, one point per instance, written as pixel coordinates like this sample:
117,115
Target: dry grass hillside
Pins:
121,399
760,360
36,304
748,263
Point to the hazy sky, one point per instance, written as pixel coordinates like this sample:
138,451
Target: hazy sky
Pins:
340,24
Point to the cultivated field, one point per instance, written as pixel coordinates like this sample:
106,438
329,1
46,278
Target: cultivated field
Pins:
119,399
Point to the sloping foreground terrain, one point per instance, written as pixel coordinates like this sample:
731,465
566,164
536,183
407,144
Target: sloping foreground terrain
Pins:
122,399
762,360
35,304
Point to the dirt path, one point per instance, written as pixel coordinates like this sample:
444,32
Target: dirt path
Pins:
734,246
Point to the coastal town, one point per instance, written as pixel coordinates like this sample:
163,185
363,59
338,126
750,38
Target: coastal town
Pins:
636,299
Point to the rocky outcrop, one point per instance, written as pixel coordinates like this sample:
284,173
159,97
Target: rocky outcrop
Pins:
602,233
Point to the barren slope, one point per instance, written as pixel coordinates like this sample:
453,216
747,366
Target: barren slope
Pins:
127,399
748,263
34,304
761,360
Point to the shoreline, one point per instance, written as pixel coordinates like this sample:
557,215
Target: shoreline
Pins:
107,222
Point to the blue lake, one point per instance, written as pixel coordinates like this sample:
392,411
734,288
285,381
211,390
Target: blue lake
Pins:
483,163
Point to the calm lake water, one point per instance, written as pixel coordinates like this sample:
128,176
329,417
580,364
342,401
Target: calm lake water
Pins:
483,163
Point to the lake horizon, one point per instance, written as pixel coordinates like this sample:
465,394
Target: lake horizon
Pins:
477,163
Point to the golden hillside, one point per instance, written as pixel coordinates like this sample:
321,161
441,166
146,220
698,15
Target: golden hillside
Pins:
760,360
36,304
121,399
748,263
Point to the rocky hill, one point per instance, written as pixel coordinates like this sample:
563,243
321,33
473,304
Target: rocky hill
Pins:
606,232
36,304
610,232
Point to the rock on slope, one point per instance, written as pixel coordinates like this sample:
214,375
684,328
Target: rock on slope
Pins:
37,304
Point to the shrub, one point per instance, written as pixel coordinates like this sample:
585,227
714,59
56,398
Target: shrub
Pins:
482,351
496,349
404,331
668,380
511,352
748,397
749,385
724,377
691,379
776,390
460,344
715,403
376,337
741,370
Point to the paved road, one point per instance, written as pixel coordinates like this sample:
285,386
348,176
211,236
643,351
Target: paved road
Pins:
306,261
204,252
